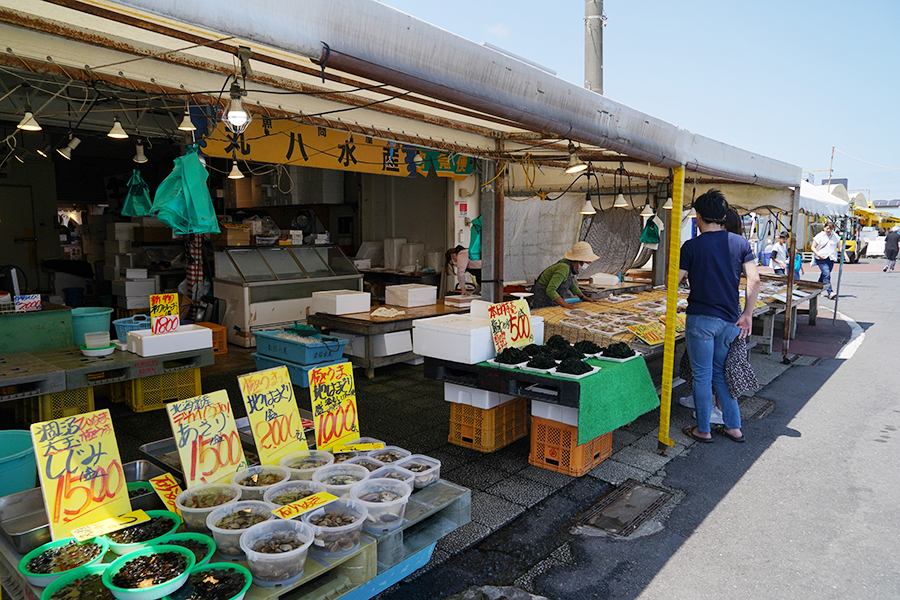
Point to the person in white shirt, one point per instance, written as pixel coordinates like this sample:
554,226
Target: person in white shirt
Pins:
779,255
825,249
459,257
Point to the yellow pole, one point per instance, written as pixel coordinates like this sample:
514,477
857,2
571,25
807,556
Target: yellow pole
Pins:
665,400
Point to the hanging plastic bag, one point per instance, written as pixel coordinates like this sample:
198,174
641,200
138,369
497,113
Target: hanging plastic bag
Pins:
182,200
137,201
475,239
650,235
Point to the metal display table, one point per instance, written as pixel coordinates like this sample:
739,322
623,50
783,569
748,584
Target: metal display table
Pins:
366,325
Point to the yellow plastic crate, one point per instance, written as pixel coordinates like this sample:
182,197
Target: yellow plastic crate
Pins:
220,339
55,406
554,446
487,430
153,392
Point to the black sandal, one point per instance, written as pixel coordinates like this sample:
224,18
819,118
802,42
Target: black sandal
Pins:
723,431
689,431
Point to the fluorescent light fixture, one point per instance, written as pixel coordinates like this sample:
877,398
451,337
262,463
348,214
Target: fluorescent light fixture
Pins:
235,171
28,122
117,132
67,151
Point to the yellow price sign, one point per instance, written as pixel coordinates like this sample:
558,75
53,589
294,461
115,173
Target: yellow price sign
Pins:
680,322
510,325
333,395
272,410
109,525
206,437
650,333
167,489
164,313
294,509
359,447
81,474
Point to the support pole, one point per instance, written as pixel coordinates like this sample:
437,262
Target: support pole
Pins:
665,400
593,45
789,300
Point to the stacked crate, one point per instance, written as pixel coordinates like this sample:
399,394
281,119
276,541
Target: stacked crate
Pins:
300,352
554,446
483,420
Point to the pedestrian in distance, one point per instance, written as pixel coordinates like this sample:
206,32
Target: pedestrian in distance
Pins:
825,250
715,261
891,247
779,255
798,265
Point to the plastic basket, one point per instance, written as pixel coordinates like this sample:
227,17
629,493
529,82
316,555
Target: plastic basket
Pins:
123,326
299,373
153,392
487,429
554,446
220,337
326,349
55,406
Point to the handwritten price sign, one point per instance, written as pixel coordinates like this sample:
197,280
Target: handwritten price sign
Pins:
28,303
651,333
109,525
294,509
167,489
206,438
680,322
510,325
333,395
81,473
272,410
164,313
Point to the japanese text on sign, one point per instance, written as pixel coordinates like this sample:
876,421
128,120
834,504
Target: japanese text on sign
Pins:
294,509
359,447
510,325
680,322
651,333
81,473
206,438
167,489
273,414
164,313
105,526
333,396
27,303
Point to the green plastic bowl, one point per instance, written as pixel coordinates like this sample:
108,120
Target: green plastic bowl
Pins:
248,577
123,549
69,576
187,535
154,592
43,580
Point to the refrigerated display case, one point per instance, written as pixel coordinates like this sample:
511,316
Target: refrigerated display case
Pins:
266,288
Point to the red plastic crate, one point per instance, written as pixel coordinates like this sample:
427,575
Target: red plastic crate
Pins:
554,446
488,429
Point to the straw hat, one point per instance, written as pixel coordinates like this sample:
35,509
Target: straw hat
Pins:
581,252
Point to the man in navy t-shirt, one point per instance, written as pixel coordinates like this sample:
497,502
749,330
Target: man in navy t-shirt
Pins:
714,261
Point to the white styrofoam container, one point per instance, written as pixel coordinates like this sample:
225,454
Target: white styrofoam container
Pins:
458,338
120,231
132,302
462,394
479,308
362,263
537,328
341,302
388,344
410,295
554,412
134,287
135,273
356,344
110,272
186,337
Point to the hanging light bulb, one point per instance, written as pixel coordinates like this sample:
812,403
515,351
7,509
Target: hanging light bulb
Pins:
620,200
45,151
116,131
576,165
235,171
588,208
67,151
647,212
186,123
668,204
28,122
691,213
18,157
236,117
139,156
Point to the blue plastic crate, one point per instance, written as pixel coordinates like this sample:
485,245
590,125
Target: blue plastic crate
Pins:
299,373
328,348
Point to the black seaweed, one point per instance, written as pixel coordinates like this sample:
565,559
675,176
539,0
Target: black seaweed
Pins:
573,366
618,350
542,361
512,356
587,347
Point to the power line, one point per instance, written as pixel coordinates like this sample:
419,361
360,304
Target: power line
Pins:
868,162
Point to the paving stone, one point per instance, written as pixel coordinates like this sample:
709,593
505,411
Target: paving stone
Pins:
622,438
520,490
493,511
475,476
642,459
547,477
617,473
650,443
526,581
462,537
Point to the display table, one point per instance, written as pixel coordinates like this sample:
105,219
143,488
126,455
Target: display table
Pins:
765,317
366,325
378,278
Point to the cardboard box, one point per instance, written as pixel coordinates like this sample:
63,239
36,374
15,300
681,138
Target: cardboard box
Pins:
296,237
132,302
134,287
341,302
410,295
243,193
458,338
153,234
117,246
231,235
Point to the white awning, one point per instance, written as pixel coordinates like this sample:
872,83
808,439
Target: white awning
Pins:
814,200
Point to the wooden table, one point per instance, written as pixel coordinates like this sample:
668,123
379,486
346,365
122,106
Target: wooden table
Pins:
366,325
766,316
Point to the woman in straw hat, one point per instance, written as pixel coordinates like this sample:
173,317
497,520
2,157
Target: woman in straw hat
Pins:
550,287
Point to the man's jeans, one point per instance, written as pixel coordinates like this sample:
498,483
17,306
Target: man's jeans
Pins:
825,265
708,339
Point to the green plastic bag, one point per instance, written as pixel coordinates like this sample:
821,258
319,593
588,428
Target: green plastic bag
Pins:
650,235
182,199
137,201
475,239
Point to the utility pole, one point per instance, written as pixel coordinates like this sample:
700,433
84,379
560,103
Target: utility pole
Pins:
593,45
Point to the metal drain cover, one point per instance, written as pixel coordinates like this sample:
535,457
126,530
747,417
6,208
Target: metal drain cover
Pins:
624,509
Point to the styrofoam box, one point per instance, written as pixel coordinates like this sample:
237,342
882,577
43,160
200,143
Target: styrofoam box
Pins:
132,302
135,273
410,295
119,260
554,412
134,287
341,302
362,263
462,394
458,338
186,337
120,231
388,344
356,344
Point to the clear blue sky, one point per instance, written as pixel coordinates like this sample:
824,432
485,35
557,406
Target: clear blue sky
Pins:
785,78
